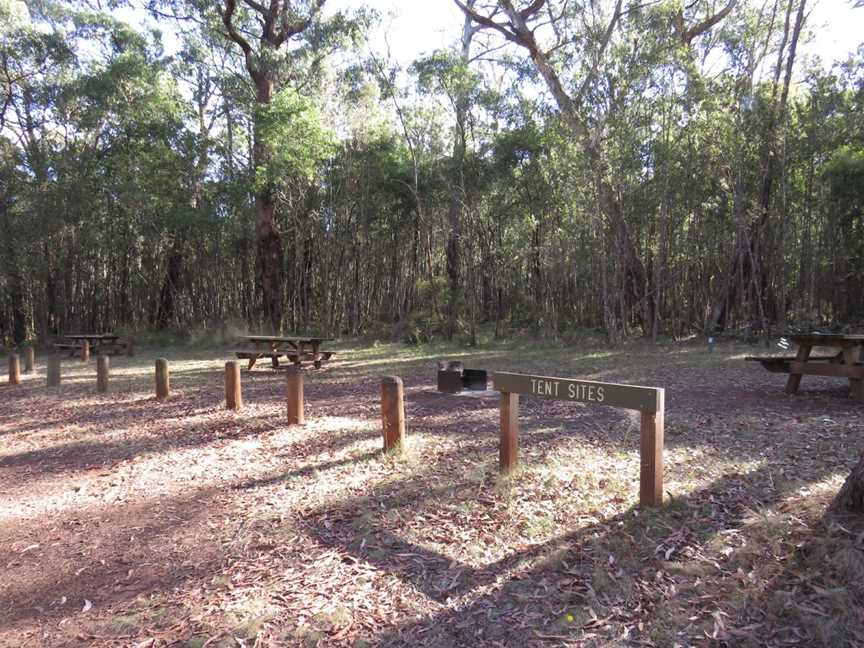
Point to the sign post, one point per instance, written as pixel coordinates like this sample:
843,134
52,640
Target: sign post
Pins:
649,401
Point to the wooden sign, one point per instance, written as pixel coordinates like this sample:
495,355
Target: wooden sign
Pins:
643,399
647,400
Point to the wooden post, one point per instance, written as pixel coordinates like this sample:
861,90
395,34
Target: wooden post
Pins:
162,382
508,447
14,369
233,395
651,455
85,351
103,365
53,371
29,360
295,396
392,413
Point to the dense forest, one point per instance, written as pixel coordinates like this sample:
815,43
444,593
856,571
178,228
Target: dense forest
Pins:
656,168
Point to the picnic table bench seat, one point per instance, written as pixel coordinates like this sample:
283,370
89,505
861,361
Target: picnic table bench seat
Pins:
71,348
126,347
252,356
782,364
107,345
308,356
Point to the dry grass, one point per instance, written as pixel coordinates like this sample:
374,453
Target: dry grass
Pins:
183,524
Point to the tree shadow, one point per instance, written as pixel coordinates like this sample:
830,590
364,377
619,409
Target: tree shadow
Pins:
539,594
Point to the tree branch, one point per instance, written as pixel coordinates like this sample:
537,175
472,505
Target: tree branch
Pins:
292,29
234,35
531,9
688,35
607,36
486,21
256,6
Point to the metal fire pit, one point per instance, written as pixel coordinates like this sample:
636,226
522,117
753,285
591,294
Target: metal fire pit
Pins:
474,380
453,378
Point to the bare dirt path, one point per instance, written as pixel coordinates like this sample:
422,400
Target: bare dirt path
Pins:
125,521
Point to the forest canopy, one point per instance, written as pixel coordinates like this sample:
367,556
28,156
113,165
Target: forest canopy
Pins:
635,168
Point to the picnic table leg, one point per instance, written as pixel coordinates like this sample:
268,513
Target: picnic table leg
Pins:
253,359
795,379
316,355
298,359
851,355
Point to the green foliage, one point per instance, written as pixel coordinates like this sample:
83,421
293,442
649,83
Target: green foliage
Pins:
844,173
424,324
121,158
290,127
13,15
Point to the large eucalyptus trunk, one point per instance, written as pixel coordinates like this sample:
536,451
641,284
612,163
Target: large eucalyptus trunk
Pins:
166,306
850,499
270,255
457,193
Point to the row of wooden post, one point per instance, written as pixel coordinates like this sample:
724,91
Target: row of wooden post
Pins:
392,401
392,392
52,373
15,365
53,369
392,414
234,392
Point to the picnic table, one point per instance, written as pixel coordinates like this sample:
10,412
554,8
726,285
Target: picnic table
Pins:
843,363
98,342
297,348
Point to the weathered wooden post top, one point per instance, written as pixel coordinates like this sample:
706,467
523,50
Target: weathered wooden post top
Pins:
649,401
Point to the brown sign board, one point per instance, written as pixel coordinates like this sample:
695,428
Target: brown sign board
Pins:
643,399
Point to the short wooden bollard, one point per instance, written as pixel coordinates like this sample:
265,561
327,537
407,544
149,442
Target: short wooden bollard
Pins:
162,382
392,413
53,370
14,369
651,455
85,351
508,447
103,365
29,360
648,401
233,394
295,396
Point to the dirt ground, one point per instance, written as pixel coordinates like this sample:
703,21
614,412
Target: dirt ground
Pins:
126,521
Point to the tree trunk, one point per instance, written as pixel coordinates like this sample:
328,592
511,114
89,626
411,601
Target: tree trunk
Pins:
850,499
457,191
15,278
170,286
270,255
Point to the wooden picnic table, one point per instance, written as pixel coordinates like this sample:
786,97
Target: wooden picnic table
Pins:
96,341
845,363
296,347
